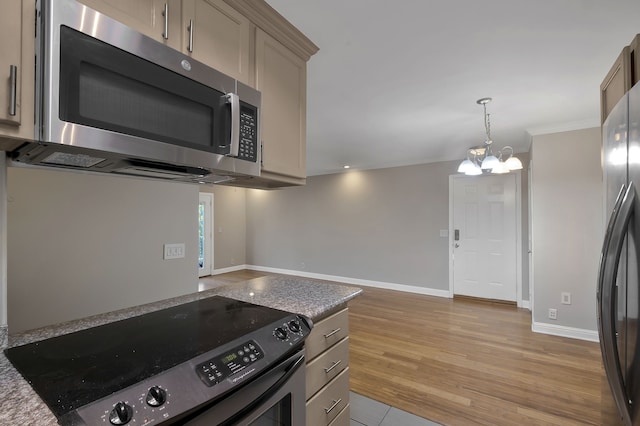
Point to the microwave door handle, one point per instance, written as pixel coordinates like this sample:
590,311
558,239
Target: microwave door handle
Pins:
234,100
607,301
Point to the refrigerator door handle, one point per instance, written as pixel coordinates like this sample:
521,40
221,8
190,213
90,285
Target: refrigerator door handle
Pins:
611,251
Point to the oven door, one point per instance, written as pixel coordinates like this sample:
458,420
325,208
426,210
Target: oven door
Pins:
275,398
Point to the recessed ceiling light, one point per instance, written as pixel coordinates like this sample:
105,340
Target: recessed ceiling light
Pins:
347,166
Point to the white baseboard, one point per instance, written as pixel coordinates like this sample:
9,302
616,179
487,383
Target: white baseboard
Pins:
562,331
525,304
356,281
229,269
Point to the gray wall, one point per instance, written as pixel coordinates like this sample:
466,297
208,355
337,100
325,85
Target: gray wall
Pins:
567,225
81,244
380,225
230,225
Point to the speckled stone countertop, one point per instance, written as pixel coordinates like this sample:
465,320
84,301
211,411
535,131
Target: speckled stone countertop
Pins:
20,405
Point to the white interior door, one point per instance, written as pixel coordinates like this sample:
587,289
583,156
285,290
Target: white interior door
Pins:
485,237
205,234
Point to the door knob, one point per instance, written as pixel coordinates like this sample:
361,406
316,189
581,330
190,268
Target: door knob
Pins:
457,245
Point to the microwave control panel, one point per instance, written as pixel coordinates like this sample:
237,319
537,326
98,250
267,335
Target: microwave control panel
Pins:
248,134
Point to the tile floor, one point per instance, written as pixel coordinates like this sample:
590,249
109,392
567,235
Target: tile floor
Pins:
367,412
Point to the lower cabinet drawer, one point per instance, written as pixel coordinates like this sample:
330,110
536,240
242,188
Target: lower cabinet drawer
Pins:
342,419
325,367
327,404
327,333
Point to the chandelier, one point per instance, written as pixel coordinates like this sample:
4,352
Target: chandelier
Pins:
483,159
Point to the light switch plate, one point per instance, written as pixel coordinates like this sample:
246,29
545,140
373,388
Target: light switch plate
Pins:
174,251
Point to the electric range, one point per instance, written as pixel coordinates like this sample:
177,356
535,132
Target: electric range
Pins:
160,366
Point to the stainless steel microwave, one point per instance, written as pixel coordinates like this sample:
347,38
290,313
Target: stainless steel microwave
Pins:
109,99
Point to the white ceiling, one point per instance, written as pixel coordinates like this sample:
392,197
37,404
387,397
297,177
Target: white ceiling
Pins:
396,82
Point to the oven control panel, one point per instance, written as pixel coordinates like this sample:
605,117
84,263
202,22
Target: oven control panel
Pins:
217,369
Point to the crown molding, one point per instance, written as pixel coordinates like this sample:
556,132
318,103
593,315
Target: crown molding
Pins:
274,24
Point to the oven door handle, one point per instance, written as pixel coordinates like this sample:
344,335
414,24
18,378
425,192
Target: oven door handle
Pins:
289,370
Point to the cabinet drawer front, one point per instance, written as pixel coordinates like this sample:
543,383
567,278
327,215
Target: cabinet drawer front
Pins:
325,367
328,403
327,333
343,418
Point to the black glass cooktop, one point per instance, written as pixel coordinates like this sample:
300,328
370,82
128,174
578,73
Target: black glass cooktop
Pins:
75,369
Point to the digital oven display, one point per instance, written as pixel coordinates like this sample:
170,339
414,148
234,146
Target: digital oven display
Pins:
227,359
217,369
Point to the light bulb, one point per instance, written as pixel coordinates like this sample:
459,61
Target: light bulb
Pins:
465,165
513,163
500,168
489,162
473,171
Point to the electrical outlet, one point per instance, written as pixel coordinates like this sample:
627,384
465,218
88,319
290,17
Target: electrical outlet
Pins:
566,298
553,313
174,251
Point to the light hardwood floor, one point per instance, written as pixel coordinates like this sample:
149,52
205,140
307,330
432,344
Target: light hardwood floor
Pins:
466,362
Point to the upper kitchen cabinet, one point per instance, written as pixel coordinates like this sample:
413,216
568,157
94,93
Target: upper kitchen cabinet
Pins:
158,19
616,84
17,63
281,53
216,34
634,59
281,77
622,76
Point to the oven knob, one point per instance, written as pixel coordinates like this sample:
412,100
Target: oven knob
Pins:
156,396
121,414
294,326
280,333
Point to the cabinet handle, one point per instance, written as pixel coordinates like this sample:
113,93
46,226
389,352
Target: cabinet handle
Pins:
190,29
165,13
334,405
334,365
13,72
337,330
261,154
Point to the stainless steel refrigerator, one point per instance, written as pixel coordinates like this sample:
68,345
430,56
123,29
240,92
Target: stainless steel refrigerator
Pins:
618,281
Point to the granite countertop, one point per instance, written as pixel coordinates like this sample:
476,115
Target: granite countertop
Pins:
20,405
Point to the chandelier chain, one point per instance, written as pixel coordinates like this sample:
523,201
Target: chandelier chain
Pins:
487,123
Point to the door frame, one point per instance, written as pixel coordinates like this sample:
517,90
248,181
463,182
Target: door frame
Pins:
518,177
210,198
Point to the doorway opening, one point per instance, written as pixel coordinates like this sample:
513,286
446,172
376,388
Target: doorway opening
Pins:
205,234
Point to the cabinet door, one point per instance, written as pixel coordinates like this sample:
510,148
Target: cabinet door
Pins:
216,34
17,44
634,57
616,84
146,16
281,77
